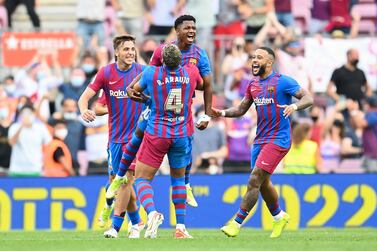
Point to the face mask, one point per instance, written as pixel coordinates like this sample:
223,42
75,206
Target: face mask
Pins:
239,47
4,112
355,62
338,123
77,81
41,75
314,118
88,68
10,89
69,115
61,133
148,54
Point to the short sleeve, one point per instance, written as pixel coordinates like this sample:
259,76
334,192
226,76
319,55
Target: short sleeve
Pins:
334,76
58,153
371,119
102,98
247,94
156,58
203,64
290,86
98,81
146,77
364,78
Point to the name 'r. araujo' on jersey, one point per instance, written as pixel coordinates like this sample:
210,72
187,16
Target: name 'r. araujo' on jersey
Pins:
267,94
171,94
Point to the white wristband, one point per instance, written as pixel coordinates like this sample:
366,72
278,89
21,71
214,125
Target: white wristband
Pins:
222,113
203,118
294,106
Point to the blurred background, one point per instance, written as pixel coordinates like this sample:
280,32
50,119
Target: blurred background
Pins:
51,49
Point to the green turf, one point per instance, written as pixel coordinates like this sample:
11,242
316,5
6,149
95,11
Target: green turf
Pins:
362,239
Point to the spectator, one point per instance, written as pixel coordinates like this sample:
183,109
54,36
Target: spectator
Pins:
205,14
161,15
349,81
89,64
368,122
57,158
255,13
131,13
146,51
283,10
3,16
292,63
91,16
317,116
11,6
237,57
302,146
27,137
237,133
209,147
96,138
320,13
75,139
10,86
38,79
341,19
5,122
76,85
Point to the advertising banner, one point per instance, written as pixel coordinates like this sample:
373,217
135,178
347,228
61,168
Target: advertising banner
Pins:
328,200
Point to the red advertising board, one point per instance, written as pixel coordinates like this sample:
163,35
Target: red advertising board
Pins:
19,48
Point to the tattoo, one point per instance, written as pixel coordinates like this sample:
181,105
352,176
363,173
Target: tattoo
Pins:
305,100
240,110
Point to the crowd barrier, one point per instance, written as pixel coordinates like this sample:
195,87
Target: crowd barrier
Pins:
331,200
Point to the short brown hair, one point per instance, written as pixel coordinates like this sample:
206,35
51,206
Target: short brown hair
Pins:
118,40
172,56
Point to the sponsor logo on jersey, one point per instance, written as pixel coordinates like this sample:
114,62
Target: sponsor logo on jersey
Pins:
118,94
193,61
180,118
263,101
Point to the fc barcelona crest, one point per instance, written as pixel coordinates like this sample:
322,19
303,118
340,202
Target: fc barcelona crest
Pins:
270,89
193,61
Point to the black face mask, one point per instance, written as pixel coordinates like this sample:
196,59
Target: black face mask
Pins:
338,123
355,62
314,118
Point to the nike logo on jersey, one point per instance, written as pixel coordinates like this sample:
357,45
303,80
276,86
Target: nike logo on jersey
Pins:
113,82
264,163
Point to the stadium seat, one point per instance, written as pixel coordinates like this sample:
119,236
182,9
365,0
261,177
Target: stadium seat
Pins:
301,13
350,166
368,16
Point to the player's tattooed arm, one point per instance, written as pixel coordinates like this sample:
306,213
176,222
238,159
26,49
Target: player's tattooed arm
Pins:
304,99
237,111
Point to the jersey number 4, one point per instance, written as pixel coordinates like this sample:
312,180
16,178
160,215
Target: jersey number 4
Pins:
174,101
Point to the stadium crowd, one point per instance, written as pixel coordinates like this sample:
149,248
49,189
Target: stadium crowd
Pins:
40,127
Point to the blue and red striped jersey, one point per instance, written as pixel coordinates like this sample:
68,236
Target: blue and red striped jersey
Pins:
123,112
267,94
171,94
194,55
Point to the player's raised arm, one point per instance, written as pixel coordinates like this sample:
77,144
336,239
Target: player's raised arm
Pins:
86,114
234,112
304,101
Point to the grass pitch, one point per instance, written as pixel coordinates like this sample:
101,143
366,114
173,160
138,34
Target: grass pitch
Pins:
363,239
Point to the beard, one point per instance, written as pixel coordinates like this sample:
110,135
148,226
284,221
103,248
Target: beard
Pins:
261,71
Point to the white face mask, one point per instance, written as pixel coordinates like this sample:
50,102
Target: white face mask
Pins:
4,112
61,133
70,115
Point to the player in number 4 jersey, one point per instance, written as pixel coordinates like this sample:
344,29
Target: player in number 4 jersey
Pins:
169,131
272,95
191,54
